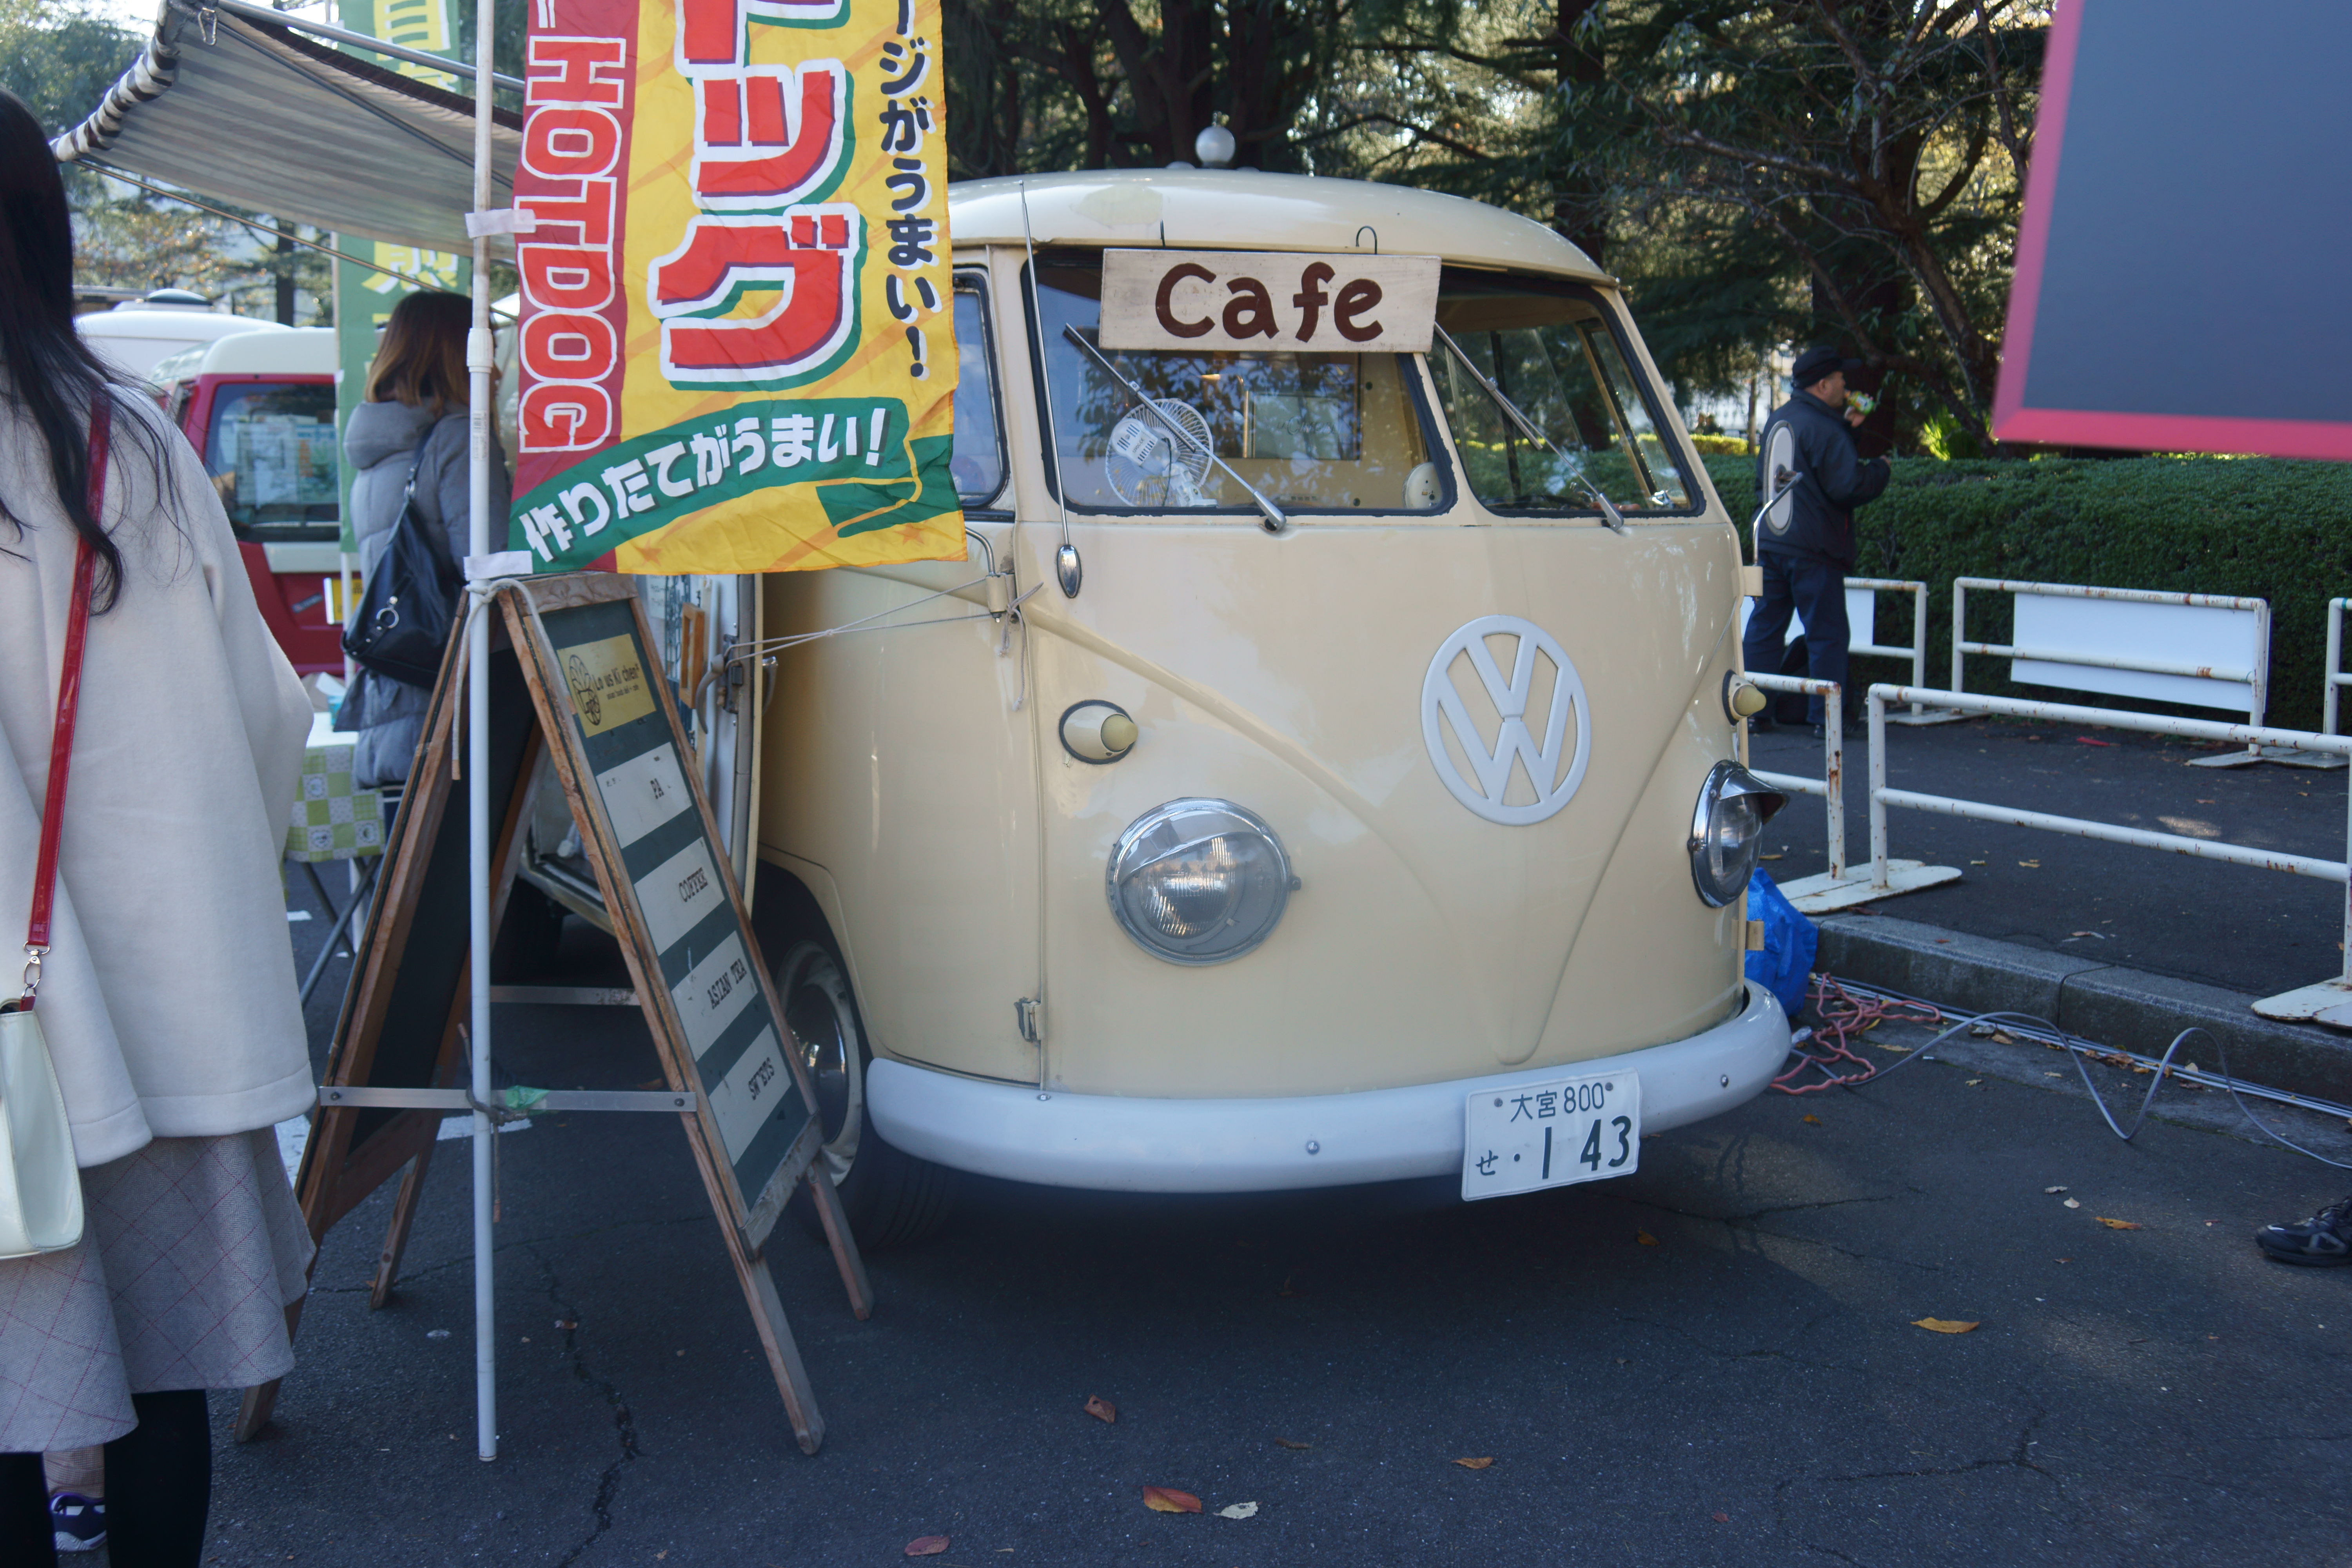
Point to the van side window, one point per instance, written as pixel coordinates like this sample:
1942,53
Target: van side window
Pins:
1549,347
1318,432
273,456
977,462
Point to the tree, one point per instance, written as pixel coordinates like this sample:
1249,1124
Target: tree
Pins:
1130,83
1874,150
60,57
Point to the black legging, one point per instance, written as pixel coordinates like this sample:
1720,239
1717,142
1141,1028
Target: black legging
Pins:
159,1487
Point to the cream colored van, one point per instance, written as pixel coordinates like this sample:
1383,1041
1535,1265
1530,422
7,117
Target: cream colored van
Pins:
1324,775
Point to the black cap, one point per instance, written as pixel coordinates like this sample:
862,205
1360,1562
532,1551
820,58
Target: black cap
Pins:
1814,363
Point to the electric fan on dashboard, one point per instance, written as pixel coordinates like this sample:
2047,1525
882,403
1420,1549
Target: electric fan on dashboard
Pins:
1148,465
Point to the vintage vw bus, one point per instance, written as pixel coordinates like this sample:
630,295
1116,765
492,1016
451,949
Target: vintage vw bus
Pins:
1312,779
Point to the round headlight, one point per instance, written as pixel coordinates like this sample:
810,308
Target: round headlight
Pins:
1198,881
1727,831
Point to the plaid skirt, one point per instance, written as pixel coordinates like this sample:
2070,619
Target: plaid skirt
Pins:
192,1249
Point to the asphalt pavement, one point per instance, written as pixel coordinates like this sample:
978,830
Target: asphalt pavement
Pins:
1713,1361
2247,930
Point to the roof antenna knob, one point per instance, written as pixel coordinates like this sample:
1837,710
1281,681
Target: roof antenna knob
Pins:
1214,147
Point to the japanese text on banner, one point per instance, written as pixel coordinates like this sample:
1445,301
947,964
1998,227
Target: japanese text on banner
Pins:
734,353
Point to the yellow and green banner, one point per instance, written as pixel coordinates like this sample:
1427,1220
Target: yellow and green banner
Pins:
736,348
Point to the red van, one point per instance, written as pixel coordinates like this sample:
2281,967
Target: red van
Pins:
261,409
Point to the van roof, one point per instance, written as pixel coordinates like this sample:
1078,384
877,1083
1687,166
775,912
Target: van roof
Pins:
186,326
288,351
1245,209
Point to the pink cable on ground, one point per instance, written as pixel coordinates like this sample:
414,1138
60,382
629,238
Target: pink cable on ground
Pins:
1844,1018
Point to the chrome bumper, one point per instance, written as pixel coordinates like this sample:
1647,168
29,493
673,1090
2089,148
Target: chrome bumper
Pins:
1112,1143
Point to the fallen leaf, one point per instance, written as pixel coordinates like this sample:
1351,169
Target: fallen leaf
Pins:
2117,1223
2053,1191
2054,1075
1167,1500
2087,741
2073,1203
1974,1081
1474,1464
1645,1238
927,1546
1720,1517
1814,1120
1238,1511
1101,1409
1771,857
1942,1325
1286,1443
2034,865
2002,1038
2065,1260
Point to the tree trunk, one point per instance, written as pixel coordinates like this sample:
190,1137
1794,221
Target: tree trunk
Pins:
284,268
1169,78
1579,209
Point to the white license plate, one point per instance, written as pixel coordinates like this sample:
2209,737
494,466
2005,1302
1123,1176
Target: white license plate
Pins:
1551,1134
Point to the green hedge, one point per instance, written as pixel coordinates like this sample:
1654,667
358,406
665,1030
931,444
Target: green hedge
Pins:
2261,527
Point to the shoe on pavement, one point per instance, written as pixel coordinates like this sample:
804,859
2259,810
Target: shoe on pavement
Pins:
2326,1239
80,1522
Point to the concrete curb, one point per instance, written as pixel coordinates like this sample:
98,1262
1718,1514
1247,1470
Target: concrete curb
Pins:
2126,1008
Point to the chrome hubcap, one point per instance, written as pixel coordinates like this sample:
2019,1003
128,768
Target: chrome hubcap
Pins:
816,998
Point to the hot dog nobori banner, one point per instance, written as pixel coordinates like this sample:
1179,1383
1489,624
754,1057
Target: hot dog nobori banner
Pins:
736,352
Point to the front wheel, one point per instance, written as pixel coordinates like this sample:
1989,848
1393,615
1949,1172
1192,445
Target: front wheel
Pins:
891,1197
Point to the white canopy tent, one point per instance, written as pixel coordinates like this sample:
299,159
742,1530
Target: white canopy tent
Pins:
230,104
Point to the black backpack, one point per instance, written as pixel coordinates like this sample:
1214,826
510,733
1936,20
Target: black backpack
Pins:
411,604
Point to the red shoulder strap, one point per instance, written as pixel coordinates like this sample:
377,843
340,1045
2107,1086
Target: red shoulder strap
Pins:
53,816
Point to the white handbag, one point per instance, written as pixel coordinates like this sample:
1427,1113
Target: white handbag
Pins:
41,1189
41,1186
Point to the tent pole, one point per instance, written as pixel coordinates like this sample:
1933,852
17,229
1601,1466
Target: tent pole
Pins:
479,412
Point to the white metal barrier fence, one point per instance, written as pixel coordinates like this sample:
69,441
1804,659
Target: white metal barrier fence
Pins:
2196,660
1841,886
1830,785
1917,653
2330,999
2335,681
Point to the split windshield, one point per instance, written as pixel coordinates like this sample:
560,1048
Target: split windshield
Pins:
1548,347
1330,432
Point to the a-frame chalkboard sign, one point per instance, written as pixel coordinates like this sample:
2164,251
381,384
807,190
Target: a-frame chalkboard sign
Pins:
572,673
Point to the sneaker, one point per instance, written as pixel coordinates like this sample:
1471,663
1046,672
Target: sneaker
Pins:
2324,1238
80,1522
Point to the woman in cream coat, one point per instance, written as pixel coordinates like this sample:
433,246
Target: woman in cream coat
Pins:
168,996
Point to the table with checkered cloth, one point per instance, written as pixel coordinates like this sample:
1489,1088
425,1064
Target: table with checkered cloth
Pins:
331,820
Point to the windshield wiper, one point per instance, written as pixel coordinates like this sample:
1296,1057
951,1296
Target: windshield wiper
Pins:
1609,512
1274,519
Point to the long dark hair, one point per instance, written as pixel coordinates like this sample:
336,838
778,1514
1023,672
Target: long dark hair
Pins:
51,372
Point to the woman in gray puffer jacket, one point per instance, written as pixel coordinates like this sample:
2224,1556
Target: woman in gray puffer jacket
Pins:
417,392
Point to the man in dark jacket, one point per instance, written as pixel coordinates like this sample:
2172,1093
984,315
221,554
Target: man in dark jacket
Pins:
1804,540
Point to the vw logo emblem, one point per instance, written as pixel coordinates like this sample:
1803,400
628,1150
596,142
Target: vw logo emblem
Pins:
1514,779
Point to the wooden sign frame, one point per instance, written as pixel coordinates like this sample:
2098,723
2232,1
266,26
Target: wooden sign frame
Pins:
398,1043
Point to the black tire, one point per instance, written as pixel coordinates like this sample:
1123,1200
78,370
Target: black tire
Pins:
892,1198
